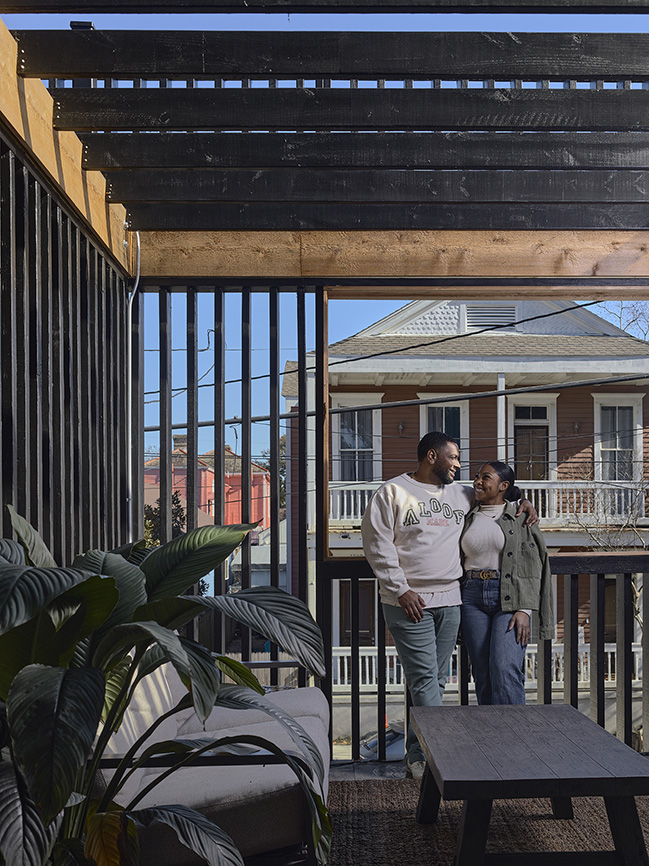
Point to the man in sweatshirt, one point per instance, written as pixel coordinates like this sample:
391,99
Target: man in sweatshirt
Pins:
411,538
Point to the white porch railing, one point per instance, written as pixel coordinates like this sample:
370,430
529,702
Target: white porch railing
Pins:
559,503
342,668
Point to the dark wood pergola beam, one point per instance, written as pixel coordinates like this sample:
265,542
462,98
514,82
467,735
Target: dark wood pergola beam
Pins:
272,216
533,150
322,6
85,109
308,55
378,185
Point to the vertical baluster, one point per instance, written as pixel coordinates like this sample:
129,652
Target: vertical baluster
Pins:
302,463
166,468
570,639
597,659
623,655
355,668
246,454
324,587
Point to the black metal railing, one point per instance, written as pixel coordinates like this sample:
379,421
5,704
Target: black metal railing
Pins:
625,569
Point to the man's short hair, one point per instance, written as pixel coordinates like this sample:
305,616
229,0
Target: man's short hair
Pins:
432,441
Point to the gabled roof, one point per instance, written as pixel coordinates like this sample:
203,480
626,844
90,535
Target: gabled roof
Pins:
449,317
438,329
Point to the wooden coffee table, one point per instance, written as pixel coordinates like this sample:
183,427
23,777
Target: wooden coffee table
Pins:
480,754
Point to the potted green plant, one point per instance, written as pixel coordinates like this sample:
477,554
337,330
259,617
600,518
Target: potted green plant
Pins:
74,644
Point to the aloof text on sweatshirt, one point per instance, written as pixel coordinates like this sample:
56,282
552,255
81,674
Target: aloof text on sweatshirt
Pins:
411,535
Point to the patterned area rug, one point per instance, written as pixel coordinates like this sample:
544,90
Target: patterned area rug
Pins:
374,825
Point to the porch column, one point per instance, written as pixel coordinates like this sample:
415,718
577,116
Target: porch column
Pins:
501,411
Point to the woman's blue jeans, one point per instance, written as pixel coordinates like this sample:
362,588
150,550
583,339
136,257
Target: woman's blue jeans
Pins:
496,658
424,649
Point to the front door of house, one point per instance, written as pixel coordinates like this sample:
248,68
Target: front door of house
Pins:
531,452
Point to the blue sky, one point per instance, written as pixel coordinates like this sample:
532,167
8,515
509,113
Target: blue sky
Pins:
345,317
542,23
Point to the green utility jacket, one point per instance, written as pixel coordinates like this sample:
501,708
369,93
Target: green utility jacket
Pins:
525,577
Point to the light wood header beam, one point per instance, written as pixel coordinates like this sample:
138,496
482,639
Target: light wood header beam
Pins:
26,113
325,256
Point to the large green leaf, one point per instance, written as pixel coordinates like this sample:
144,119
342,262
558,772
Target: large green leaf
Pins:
34,642
236,697
281,617
69,852
92,604
53,715
36,550
115,681
200,676
53,636
239,673
114,646
128,578
127,550
25,591
111,840
195,832
24,841
11,553
177,565
204,678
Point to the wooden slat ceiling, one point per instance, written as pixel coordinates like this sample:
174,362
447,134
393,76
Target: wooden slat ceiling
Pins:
395,131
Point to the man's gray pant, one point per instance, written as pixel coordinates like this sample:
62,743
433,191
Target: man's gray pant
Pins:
425,649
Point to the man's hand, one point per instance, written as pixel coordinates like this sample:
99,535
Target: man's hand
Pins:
520,622
413,605
526,507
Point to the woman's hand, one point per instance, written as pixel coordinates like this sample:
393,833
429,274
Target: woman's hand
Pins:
520,622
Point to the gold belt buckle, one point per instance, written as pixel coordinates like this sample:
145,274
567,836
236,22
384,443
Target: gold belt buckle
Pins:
486,574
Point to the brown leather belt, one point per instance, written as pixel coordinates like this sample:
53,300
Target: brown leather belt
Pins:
484,574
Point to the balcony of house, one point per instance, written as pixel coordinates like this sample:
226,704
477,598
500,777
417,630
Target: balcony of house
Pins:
560,504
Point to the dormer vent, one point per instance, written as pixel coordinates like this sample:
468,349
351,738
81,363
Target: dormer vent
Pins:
487,315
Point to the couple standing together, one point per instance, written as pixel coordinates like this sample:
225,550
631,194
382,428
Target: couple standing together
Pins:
443,553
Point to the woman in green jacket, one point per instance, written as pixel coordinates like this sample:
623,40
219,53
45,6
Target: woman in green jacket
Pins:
506,577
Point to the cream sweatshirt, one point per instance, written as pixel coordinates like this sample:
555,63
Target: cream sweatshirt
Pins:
411,536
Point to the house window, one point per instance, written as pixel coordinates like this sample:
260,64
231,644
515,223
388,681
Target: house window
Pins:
356,446
618,436
356,437
446,419
449,418
616,445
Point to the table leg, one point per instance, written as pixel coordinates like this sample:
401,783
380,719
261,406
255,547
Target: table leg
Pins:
626,830
472,833
429,798
562,807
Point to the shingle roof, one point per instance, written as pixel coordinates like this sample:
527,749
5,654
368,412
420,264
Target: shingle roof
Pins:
481,345
496,344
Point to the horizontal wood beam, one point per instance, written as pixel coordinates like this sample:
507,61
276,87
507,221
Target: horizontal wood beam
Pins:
265,216
114,151
113,54
366,186
551,256
331,6
348,109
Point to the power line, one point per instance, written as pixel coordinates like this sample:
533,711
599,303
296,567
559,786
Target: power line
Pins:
386,352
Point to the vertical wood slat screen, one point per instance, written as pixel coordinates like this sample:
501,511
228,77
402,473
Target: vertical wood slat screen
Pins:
63,311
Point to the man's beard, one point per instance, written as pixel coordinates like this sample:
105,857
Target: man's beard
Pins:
444,476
